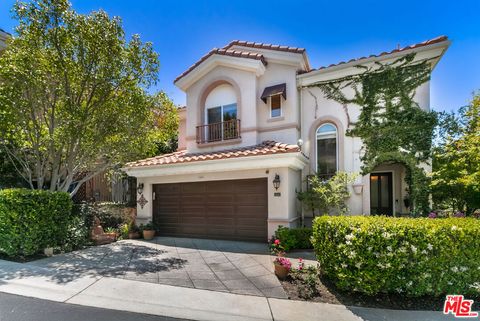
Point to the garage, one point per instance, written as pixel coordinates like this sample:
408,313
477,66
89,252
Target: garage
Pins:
228,209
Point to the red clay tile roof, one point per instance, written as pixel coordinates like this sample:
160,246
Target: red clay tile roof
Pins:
417,45
265,148
261,45
224,52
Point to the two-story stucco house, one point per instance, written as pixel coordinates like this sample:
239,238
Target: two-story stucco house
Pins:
251,132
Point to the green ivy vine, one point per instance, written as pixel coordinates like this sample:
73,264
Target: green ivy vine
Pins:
392,126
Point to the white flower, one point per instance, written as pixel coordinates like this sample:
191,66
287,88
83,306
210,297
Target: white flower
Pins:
348,243
463,268
454,269
389,248
349,237
402,250
454,228
386,235
414,249
410,283
352,254
344,265
358,265
476,286
369,248
388,265
424,252
430,247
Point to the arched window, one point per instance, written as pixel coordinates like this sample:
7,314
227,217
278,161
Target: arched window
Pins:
221,114
327,150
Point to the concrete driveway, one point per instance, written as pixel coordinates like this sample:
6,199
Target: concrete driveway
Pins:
227,266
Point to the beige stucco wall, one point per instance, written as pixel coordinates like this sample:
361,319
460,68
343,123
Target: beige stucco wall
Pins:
182,128
254,114
244,84
316,110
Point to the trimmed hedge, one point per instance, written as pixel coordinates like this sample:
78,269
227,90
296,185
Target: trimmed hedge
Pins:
411,256
31,220
294,238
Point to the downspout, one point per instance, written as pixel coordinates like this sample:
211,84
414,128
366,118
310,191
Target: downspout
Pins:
300,123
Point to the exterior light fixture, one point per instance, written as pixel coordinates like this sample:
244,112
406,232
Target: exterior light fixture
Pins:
140,188
276,181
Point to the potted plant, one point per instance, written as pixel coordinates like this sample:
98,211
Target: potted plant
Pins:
148,231
133,231
282,267
112,232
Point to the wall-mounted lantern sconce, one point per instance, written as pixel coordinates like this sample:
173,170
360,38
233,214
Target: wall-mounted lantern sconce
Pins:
140,188
276,181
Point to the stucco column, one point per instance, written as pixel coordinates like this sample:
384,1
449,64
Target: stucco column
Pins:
282,203
144,202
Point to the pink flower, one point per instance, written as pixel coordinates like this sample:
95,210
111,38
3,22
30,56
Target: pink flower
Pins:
283,262
277,242
432,215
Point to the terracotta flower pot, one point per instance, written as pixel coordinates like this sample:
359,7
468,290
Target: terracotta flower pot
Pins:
148,234
280,271
112,235
133,235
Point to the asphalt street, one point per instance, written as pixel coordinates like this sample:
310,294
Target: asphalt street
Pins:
19,308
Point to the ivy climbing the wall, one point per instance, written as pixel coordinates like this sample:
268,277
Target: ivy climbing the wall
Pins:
393,127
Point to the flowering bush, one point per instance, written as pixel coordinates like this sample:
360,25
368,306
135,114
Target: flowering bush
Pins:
276,246
301,264
283,261
411,256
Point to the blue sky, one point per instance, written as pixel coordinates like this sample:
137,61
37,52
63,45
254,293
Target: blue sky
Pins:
331,31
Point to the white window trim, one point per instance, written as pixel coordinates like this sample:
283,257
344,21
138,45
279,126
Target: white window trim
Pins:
336,145
270,107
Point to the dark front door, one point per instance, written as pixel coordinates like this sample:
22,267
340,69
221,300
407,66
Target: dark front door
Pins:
381,194
232,209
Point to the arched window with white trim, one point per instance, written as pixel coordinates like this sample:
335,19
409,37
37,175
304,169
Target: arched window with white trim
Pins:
221,114
327,150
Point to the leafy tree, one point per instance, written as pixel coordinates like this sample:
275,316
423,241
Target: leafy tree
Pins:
392,126
166,125
456,160
73,96
326,196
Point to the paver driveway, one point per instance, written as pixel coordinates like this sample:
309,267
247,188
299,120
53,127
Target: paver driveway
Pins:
229,266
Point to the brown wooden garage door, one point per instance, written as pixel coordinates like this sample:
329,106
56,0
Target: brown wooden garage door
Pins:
234,209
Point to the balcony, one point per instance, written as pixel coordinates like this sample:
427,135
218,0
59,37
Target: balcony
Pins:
218,132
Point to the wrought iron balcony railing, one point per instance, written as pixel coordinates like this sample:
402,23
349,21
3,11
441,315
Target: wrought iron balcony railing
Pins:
217,132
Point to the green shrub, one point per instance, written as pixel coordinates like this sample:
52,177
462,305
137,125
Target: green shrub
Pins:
294,238
31,220
111,215
411,256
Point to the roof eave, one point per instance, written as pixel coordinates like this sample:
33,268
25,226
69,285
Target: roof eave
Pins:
253,65
445,44
295,160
